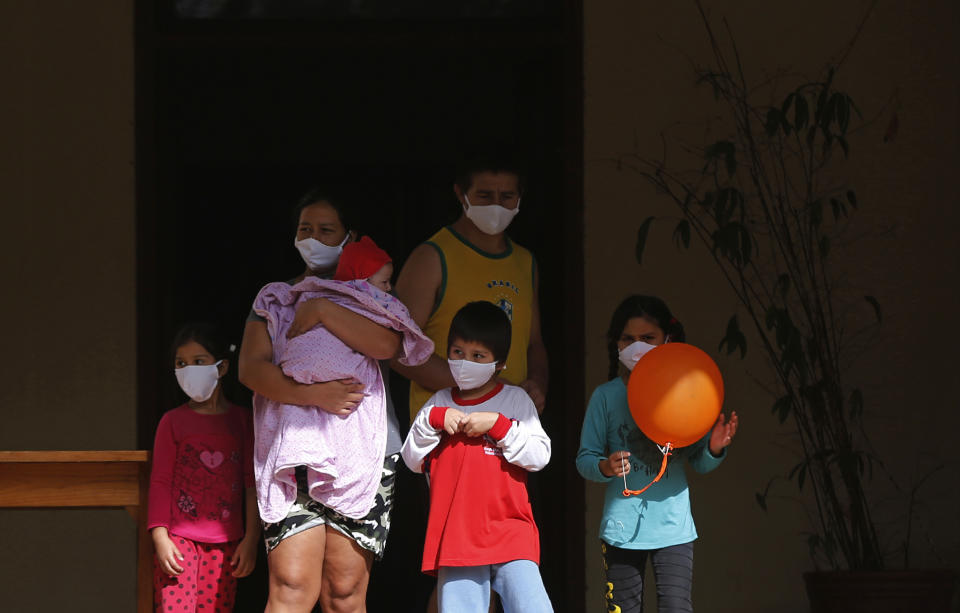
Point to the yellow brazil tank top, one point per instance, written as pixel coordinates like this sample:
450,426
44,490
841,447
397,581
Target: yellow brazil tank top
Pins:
469,274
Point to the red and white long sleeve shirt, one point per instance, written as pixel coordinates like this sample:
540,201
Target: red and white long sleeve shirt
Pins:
479,507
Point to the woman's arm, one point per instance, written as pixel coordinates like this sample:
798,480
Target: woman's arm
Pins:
537,366
355,330
258,372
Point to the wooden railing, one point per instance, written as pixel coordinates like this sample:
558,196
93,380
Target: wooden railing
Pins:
72,479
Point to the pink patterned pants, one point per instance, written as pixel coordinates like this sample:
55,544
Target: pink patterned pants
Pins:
206,583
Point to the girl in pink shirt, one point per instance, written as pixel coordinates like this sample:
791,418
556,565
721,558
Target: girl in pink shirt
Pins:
202,510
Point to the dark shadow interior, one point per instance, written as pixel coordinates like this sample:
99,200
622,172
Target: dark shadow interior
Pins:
236,118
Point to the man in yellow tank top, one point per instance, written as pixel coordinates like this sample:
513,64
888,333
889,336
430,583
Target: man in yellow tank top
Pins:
473,259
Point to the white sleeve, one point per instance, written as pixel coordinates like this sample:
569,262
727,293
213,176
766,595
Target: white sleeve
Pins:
421,439
525,443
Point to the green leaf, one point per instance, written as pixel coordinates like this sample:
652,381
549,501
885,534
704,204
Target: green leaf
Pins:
856,404
782,408
642,238
774,118
801,112
839,209
734,338
720,206
771,317
843,114
723,149
852,198
761,500
783,284
762,496
876,307
708,198
816,213
746,245
844,145
786,103
681,234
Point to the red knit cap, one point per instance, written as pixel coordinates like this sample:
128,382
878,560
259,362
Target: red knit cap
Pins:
360,259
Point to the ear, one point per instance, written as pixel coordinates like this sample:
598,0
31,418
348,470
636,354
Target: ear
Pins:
224,367
459,194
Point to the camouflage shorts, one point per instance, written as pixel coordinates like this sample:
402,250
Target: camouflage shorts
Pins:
370,532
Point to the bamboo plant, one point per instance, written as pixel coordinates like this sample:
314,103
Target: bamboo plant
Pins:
765,203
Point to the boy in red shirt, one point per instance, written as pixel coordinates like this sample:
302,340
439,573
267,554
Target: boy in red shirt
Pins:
476,443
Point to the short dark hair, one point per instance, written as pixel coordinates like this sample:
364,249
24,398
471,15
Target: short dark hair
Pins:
333,196
650,307
496,161
485,323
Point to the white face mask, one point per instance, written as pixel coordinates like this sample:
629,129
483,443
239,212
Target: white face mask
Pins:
631,354
318,256
197,381
471,375
492,218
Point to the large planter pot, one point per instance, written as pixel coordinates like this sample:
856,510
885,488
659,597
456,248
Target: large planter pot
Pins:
889,591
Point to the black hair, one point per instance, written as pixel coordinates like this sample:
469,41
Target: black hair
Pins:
495,160
210,337
207,335
485,323
637,305
332,196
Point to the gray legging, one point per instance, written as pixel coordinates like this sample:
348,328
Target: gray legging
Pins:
672,571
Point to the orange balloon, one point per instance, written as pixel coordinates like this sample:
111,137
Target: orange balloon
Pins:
675,393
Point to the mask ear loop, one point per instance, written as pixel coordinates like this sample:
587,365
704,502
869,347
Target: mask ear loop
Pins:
665,450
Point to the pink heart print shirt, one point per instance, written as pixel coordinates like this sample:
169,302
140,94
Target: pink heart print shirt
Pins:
201,465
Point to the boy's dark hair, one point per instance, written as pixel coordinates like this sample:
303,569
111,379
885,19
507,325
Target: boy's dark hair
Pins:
485,323
495,160
332,196
650,307
206,335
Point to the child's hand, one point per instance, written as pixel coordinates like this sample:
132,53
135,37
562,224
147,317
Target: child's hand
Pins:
616,465
722,433
168,556
245,557
478,424
452,420
307,316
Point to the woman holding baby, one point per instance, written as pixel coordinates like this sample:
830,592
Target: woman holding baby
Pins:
327,436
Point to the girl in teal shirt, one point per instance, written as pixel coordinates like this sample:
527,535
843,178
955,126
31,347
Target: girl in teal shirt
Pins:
658,523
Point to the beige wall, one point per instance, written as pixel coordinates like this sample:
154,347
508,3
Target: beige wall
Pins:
638,81
67,371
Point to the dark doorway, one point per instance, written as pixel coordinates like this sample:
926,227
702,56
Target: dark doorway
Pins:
238,114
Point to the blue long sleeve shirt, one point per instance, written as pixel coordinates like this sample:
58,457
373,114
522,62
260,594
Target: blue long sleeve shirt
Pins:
661,516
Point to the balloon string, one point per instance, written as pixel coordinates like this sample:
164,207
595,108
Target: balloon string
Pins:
663,468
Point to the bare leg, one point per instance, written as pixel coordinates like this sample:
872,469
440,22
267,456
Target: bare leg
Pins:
296,568
346,572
